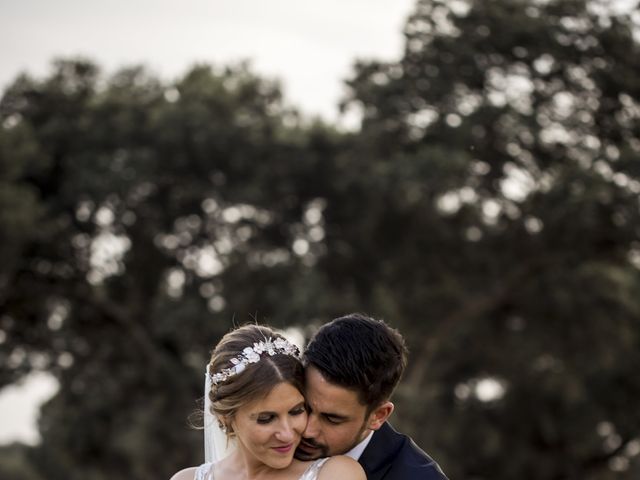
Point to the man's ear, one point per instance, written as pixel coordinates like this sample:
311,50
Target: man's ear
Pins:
379,415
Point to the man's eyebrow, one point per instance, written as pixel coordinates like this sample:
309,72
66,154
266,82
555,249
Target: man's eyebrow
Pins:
334,415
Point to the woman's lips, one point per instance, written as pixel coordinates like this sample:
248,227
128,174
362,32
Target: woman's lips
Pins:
284,448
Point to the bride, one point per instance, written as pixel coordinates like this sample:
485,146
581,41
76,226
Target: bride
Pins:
255,413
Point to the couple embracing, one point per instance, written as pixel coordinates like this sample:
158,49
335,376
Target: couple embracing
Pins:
322,416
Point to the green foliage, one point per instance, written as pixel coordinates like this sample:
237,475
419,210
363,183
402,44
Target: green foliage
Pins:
16,464
513,255
140,221
487,207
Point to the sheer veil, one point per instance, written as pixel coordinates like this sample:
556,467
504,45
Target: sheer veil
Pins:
216,443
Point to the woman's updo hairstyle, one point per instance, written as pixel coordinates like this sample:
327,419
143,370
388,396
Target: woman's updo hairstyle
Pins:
257,379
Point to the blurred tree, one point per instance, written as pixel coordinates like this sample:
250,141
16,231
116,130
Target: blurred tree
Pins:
488,207
139,221
16,464
499,163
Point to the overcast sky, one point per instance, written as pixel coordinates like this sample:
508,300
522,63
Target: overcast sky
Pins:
309,46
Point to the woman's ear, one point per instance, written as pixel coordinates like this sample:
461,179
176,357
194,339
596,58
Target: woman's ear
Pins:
379,415
226,424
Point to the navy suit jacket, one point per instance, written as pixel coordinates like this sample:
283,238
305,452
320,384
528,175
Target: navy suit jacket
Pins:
393,456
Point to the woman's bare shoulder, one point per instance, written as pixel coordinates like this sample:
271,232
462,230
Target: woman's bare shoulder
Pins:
186,474
341,466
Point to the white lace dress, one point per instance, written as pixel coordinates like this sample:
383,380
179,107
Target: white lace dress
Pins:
205,471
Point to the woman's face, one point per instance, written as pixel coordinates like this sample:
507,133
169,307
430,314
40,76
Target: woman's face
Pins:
269,429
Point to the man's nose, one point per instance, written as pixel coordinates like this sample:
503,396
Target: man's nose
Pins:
311,430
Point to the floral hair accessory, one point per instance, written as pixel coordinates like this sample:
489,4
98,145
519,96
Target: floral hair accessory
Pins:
271,347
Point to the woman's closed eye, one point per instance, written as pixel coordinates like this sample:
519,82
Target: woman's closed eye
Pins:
265,418
268,417
298,410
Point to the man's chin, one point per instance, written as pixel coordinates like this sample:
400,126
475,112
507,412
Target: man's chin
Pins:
308,452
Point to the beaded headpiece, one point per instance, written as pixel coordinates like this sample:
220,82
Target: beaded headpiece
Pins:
271,347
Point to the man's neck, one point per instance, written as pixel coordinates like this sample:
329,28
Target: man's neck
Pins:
356,451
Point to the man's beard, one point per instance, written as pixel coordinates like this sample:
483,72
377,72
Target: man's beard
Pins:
318,450
321,450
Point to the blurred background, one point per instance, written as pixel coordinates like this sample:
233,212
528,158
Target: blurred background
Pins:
467,170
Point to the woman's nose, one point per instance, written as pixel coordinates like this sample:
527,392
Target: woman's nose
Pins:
285,432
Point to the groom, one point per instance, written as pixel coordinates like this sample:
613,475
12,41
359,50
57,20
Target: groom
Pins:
353,365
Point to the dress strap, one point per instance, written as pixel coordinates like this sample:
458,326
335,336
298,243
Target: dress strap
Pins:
204,472
312,471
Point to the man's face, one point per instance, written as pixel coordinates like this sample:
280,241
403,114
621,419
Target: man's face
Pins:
337,421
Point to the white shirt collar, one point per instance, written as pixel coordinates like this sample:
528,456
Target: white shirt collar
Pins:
356,451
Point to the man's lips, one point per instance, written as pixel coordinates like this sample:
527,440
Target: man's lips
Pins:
307,447
284,448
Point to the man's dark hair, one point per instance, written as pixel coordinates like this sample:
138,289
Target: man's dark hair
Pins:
360,353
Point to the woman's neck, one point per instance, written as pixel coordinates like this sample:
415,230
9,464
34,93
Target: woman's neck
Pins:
242,465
